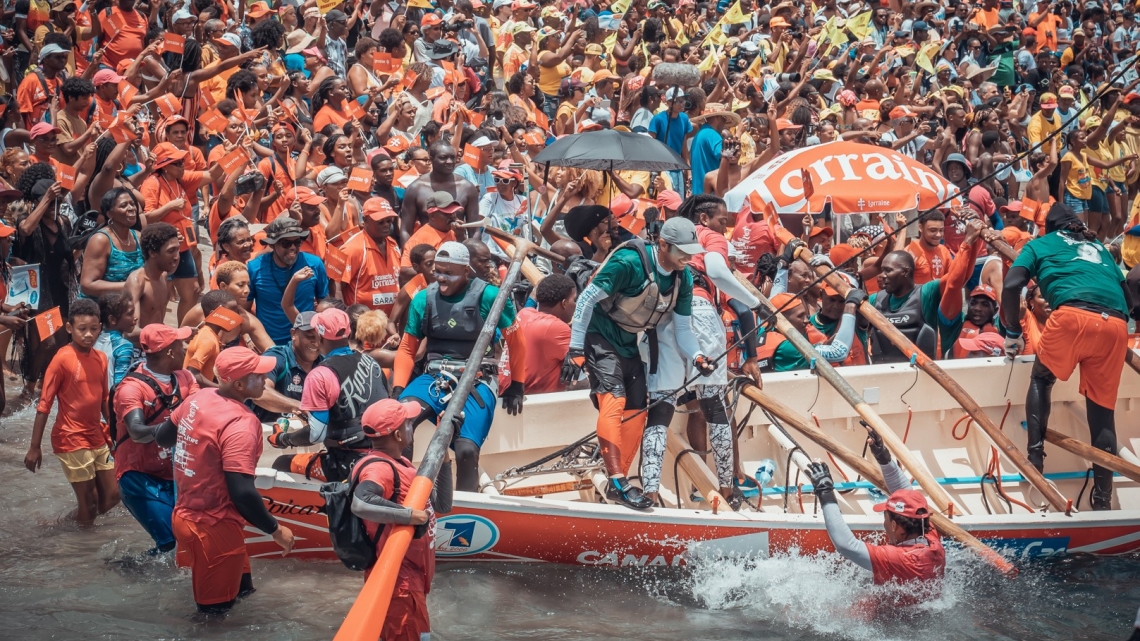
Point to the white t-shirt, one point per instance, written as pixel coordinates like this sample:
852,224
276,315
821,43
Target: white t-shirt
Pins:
507,215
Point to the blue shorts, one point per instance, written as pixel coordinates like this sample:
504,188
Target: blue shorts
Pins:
186,266
1098,202
477,417
151,501
1079,205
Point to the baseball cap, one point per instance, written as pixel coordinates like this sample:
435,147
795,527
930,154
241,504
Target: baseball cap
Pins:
333,324
991,343
985,290
388,415
1066,92
225,318
6,231
103,76
309,197
504,170
445,201
908,503
1048,100
900,112
594,49
156,337
304,321
681,233
823,74
919,25
50,49
336,15
43,129
779,300
378,209
521,27
621,205
453,253
784,123
234,363
523,4
431,20
669,199
330,176
258,9
283,227
166,153
1092,122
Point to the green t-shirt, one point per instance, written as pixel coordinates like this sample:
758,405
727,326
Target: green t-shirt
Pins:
623,275
1069,269
931,293
787,358
416,310
827,329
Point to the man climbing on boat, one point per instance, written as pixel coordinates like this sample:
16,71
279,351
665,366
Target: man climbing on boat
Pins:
634,291
1091,302
914,550
450,314
334,397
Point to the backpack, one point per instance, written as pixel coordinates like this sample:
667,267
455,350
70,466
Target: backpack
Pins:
350,540
162,401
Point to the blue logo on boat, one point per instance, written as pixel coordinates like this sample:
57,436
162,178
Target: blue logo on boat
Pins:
1030,548
464,535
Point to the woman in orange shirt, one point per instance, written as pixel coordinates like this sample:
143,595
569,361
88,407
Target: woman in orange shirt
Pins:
281,168
329,104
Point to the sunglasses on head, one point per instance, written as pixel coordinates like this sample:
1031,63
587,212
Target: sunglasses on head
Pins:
289,243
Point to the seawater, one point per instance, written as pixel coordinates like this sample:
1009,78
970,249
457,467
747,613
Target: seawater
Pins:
60,582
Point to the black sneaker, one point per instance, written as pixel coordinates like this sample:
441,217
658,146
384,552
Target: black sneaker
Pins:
619,489
737,500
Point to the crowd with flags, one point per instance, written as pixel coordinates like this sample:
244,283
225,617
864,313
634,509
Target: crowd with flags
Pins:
275,206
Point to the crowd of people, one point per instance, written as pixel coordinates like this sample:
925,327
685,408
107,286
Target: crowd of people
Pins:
281,209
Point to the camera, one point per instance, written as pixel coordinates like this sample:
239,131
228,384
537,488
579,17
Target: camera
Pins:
453,27
788,77
249,183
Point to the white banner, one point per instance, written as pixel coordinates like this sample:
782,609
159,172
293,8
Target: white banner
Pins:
24,286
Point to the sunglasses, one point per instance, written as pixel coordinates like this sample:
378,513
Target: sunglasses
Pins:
504,181
289,243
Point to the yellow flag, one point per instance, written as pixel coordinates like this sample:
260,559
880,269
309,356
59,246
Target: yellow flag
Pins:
860,25
904,51
420,4
621,6
923,59
753,70
709,63
610,41
734,15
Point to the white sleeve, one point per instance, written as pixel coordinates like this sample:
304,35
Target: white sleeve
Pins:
686,340
838,349
716,267
583,312
780,284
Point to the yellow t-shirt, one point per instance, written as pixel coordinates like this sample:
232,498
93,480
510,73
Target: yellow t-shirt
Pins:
550,78
1078,182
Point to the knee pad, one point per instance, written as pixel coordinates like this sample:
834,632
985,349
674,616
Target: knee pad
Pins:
661,413
714,410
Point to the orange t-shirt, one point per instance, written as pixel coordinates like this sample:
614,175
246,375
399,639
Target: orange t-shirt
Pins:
929,264
203,351
275,170
425,235
127,44
79,382
157,191
214,221
316,243
415,285
34,102
327,115
372,274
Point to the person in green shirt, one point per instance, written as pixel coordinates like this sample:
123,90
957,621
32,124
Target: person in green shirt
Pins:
784,355
1091,304
637,287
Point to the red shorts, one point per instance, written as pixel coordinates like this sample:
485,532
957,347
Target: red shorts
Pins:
1094,341
407,617
216,556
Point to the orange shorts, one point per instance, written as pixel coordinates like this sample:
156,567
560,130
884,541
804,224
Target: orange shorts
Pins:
216,557
407,617
1094,341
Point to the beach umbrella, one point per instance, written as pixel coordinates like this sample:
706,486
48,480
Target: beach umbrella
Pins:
610,150
853,177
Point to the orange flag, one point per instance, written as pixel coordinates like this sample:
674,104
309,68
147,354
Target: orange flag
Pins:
234,161
168,104
213,120
360,180
49,322
66,175
473,157
173,43
336,263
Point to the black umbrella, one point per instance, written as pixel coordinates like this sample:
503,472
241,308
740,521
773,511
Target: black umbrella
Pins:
610,150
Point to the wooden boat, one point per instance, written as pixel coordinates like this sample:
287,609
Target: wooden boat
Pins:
557,516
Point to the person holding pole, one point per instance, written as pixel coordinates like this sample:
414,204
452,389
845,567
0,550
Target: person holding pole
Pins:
1091,302
914,552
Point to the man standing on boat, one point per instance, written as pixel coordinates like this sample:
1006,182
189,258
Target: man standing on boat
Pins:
1089,326
450,314
929,315
334,397
637,287
914,550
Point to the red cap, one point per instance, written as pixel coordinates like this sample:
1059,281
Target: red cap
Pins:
842,253
669,199
430,20
156,337
989,342
784,123
43,129
504,170
900,112
908,503
386,416
378,209
166,153
985,290
238,362
333,324
622,206
309,197
397,144
1012,206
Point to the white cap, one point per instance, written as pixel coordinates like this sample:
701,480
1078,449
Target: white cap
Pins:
674,92
50,49
481,141
330,175
453,253
182,14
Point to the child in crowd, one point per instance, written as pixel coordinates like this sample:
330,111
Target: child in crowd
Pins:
220,328
372,336
117,313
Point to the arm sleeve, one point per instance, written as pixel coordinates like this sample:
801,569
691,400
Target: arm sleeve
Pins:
747,321
442,492
961,268
894,477
405,360
844,541
137,428
686,340
368,503
583,312
1015,280
516,352
838,349
780,285
719,273
248,502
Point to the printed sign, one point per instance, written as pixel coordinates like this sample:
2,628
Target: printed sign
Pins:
66,175
49,322
213,120
354,109
127,93
473,157
168,104
336,264
464,535
360,180
173,43
326,6
234,161
24,286
384,63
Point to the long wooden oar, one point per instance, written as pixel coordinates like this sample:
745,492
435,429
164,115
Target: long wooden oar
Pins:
1011,254
511,244
365,619
1088,452
872,474
855,400
1030,473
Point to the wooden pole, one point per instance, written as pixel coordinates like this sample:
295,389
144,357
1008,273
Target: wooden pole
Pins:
511,243
872,474
1088,452
825,370
691,464
922,361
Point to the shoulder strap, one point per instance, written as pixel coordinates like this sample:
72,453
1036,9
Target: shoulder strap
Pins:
369,460
167,401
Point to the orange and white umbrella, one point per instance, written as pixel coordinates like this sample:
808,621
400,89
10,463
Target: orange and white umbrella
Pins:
855,178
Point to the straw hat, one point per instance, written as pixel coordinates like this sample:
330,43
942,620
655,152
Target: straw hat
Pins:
714,109
979,74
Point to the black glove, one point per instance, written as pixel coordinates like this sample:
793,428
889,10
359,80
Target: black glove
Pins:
704,365
878,448
821,482
513,398
418,531
396,392
789,254
572,366
855,296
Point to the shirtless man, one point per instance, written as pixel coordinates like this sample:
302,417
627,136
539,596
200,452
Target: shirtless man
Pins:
441,178
148,286
233,277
